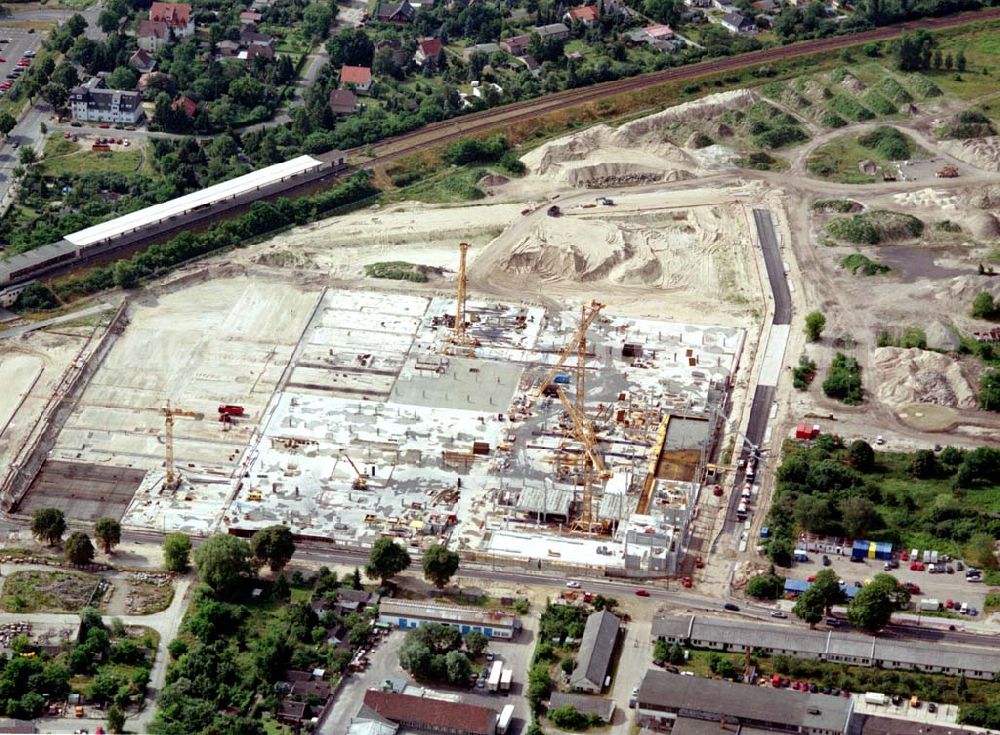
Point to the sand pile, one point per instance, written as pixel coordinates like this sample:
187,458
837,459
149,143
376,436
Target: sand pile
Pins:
667,249
987,197
852,84
983,153
631,153
918,376
965,288
941,336
927,198
983,226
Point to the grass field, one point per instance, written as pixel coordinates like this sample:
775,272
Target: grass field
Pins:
838,160
35,591
982,52
65,158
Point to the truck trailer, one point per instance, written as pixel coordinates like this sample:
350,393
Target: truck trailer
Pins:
503,720
493,683
505,679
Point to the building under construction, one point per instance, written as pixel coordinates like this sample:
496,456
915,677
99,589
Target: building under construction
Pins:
508,430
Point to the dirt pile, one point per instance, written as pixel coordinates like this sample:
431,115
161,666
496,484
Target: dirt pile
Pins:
941,336
633,152
983,226
917,376
983,153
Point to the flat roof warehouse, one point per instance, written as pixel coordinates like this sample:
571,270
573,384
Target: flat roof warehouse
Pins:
73,244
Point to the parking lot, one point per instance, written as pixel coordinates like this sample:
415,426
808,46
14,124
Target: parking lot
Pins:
942,587
384,664
19,42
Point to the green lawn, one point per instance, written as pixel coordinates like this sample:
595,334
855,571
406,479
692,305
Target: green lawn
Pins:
982,51
838,161
65,158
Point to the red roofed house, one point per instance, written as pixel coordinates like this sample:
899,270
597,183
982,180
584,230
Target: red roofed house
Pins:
142,62
431,715
177,16
427,51
250,16
152,35
360,77
659,32
188,105
586,14
516,45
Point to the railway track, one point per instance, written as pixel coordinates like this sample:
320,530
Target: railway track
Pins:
446,131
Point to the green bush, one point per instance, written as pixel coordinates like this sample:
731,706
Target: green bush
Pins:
570,718
766,586
893,90
831,119
850,108
473,150
946,225
985,307
856,262
781,136
35,297
843,206
843,380
396,270
879,104
804,373
890,143
875,226
701,141
924,87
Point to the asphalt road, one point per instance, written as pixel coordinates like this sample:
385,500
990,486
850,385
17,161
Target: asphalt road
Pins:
775,268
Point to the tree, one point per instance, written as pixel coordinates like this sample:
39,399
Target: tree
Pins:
223,562
65,75
440,565
79,550
960,62
766,586
123,77
827,587
984,307
316,20
989,390
780,552
458,667
859,515
7,123
116,719
981,550
27,156
76,25
923,465
108,533
415,657
810,606
815,324
176,552
861,456
569,717
914,51
663,11
274,546
352,47
476,642
386,560
55,94
48,525
872,608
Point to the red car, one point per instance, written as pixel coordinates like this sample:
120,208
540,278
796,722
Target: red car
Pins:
687,583
24,62
916,566
3,60
904,555
949,603
642,593
913,589
811,578
717,491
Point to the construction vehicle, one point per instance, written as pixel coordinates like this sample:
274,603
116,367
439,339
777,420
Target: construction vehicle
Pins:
553,211
361,481
173,477
947,172
230,410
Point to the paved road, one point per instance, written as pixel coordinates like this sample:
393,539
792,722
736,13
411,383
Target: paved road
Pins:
15,332
775,268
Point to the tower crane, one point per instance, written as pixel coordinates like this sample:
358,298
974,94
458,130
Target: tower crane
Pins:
361,481
173,477
459,336
588,313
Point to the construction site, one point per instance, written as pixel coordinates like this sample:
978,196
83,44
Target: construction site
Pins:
507,430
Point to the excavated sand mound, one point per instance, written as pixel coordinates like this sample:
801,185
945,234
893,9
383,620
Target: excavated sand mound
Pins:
927,198
665,249
982,153
941,336
917,376
635,151
983,226
988,197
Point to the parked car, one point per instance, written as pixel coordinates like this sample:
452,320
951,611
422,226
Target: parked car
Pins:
826,561
833,622
779,614
642,593
931,707
959,564
950,569
573,584
732,607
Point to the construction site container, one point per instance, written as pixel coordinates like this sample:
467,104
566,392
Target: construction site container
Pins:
493,683
561,379
876,698
863,549
807,432
503,720
929,604
800,555
505,679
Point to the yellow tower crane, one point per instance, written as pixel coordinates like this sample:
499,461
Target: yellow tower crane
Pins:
361,481
458,337
173,477
588,313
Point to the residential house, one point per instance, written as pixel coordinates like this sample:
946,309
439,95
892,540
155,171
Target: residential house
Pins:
765,6
585,14
293,714
91,102
483,48
187,105
516,45
668,700
152,36
228,49
248,38
142,62
254,50
552,32
350,601
412,614
593,661
250,16
426,714
659,32
155,80
738,23
427,52
177,17
359,77
698,3
402,12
